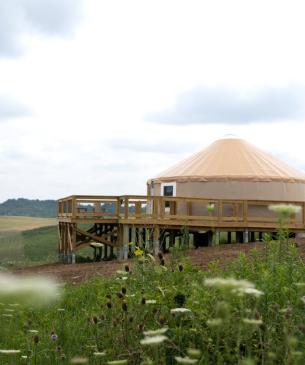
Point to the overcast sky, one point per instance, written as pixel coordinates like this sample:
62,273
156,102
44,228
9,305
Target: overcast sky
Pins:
98,96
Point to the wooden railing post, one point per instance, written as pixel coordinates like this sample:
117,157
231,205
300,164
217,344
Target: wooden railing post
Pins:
220,210
155,202
74,207
138,210
118,207
161,207
245,212
189,208
126,207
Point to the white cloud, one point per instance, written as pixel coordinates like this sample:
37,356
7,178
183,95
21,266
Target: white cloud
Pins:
19,18
10,108
226,106
89,94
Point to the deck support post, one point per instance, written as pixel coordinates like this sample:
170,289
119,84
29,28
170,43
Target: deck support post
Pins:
239,237
172,238
147,238
210,238
125,242
252,236
246,236
73,243
229,239
133,239
216,237
156,240
260,236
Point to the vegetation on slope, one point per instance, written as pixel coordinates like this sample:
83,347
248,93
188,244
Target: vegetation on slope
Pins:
29,247
168,313
11,225
28,207
165,312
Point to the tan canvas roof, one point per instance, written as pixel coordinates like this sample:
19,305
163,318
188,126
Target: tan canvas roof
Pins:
231,159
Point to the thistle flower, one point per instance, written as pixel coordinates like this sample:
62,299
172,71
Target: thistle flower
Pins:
185,360
154,340
109,305
179,299
124,307
54,336
141,327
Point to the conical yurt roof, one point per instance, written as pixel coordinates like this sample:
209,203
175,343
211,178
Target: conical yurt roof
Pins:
231,159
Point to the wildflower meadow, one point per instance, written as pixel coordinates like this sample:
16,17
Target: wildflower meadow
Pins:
164,311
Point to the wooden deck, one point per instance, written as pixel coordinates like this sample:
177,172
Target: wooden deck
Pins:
110,220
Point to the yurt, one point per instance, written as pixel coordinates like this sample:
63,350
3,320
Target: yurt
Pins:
231,168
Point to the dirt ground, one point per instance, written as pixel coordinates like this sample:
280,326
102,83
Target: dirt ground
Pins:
200,257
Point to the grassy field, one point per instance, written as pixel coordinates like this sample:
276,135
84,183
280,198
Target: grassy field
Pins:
10,225
27,240
168,313
249,312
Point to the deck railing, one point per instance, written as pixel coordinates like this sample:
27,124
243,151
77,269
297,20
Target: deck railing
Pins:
139,208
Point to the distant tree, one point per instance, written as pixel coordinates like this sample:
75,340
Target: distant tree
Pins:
28,207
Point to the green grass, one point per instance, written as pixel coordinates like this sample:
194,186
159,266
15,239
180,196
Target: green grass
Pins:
29,247
224,326
14,244
21,246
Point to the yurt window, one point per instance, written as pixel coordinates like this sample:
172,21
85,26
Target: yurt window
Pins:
168,189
